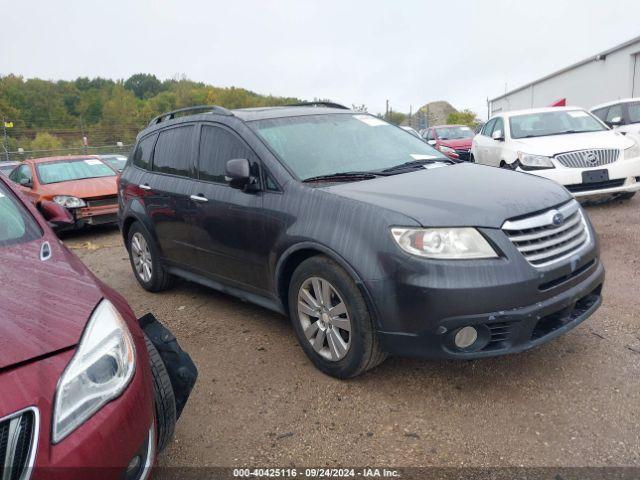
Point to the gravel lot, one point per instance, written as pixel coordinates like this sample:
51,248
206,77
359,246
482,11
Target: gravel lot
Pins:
259,402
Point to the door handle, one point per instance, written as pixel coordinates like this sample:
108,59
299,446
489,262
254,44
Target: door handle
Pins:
145,186
199,198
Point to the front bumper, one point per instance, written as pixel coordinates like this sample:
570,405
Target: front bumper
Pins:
514,306
624,177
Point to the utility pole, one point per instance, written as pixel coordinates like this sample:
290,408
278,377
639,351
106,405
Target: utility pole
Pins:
5,142
386,112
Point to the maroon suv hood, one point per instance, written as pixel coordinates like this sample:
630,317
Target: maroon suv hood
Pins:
457,143
44,305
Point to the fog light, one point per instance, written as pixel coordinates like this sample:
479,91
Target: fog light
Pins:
465,337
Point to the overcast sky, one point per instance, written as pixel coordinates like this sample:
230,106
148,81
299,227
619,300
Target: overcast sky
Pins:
353,52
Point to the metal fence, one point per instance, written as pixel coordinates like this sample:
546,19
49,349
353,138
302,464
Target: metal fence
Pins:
63,152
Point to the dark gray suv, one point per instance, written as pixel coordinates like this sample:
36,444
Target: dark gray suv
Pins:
370,240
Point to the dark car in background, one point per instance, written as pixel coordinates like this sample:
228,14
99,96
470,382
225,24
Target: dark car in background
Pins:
452,140
84,392
373,242
7,166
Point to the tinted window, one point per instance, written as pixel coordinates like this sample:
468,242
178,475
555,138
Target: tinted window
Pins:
634,112
56,172
217,146
142,155
173,151
23,172
16,224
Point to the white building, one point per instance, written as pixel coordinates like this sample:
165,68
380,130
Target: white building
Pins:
610,75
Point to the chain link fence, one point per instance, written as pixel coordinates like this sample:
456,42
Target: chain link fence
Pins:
20,155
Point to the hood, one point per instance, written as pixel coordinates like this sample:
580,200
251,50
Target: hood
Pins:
44,306
555,144
457,143
87,188
459,195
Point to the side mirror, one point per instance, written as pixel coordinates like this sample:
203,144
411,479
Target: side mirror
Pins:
615,122
56,215
25,182
431,142
238,174
498,135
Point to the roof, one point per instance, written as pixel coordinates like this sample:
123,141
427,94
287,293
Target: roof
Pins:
571,67
526,111
264,113
615,102
61,158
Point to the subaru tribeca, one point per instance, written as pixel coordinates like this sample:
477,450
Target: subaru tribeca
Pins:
373,242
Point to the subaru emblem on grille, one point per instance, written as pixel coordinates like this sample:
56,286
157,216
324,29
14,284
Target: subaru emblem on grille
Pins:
558,219
591,157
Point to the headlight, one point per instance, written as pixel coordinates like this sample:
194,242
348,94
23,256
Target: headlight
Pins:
445,149
69,202
534,161
443,243
632,152
98,372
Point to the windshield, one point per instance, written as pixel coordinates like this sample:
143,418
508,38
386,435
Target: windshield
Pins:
317,145
454,133
116,162
553,123
66,171
16,224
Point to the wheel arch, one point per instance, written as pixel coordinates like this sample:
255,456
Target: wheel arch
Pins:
298,253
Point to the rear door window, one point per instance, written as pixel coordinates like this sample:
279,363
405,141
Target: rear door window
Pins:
173,152
16,223
634,112
217,146
142,155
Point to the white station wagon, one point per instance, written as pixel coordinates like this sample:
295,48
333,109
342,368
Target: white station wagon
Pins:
565,144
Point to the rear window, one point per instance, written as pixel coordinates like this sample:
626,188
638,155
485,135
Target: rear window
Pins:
66,171
173,150
16,223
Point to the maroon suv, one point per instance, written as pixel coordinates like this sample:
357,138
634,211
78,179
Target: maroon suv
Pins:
452,140
78,377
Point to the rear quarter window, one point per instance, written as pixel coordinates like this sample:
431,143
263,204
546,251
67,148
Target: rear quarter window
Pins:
142,155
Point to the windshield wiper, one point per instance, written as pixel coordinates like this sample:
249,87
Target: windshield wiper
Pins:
342,176
416,163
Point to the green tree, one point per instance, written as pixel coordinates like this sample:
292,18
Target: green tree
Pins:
143,85
45,141
395,117
464,117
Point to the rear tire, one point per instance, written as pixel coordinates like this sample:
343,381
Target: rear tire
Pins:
164,399
354,325
145,260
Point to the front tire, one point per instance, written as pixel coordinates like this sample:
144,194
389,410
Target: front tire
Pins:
331,319
145,260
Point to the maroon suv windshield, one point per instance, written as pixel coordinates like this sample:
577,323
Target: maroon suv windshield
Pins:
16,223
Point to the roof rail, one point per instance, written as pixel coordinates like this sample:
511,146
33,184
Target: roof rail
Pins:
318,104
198,108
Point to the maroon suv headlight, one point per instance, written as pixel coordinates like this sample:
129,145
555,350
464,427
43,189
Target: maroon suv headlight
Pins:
100,370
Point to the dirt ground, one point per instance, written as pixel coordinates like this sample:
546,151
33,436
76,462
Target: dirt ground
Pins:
259,402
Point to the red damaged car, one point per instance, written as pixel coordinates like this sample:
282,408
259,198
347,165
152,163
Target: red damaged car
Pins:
85,392
452,140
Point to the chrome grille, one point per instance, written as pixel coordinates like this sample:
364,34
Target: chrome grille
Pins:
18,440
551,236
588,158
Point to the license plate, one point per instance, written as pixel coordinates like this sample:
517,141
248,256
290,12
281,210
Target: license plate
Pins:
595,176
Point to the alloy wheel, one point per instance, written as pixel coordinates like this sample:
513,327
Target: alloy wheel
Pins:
141,257
324,318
